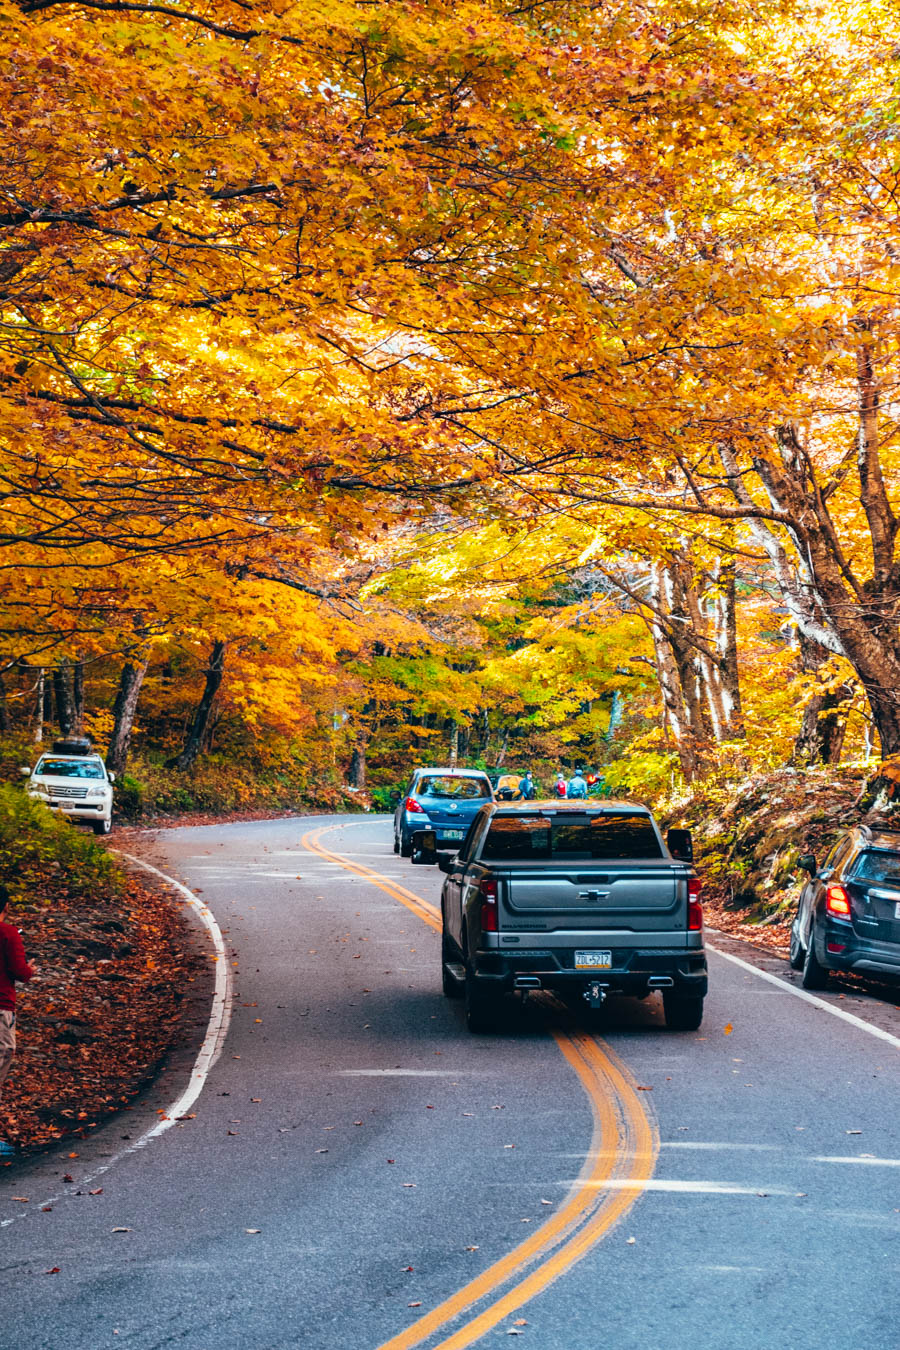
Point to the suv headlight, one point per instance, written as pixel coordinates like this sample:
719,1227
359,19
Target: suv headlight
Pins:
97,791
38,790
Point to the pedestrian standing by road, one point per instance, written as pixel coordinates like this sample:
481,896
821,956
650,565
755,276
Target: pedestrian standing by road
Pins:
526,787
577,785
560,784
13,966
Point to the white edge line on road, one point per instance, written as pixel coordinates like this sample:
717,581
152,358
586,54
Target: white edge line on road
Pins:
781,983
216,1031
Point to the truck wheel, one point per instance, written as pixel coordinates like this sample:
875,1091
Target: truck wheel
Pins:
481,1007
796,955
452,987
815,975
102,826
684,1012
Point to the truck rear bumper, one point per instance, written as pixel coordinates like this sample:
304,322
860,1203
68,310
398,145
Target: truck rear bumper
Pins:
636,972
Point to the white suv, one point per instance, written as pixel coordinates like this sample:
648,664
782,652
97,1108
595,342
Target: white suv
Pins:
74,782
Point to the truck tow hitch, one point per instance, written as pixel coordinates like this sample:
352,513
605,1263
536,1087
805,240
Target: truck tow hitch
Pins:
595,994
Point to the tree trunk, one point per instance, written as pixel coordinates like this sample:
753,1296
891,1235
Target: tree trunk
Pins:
821,735
192,746
78,697
454,742
65,707
671,674
124,711
726,672
356,773
39,707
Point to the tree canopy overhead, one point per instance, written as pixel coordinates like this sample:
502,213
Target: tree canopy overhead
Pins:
290,292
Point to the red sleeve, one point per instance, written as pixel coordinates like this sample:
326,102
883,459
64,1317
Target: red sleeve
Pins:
16,965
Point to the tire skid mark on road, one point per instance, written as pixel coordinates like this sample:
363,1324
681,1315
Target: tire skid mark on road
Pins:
620,1160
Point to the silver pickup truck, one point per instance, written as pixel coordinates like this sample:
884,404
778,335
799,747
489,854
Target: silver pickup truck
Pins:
574,897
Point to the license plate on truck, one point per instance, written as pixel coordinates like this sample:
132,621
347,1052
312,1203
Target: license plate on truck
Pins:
453,834
593,960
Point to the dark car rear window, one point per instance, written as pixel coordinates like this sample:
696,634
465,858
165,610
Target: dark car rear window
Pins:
607,836
457,789
878,865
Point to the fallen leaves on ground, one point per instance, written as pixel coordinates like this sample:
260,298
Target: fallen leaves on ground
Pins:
106,1006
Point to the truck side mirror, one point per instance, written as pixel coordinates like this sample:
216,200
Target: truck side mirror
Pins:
424,848
807,863
446,861
681,845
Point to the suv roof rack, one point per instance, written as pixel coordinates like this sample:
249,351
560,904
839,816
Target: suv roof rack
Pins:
73,745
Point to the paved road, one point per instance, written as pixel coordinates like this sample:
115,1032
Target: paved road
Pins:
737,1190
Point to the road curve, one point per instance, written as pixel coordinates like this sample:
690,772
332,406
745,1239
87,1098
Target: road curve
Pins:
360,1171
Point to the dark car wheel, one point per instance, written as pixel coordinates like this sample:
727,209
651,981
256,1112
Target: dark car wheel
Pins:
405,848
815,975
796,953
396,843
482,1006
452,987
684,1012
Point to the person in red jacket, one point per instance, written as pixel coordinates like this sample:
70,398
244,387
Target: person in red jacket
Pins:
13,966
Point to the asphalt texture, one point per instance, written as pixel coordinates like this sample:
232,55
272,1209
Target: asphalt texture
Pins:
356,1156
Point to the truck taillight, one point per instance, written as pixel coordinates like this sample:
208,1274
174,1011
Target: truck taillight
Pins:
695,909
837,901
487,889
412,805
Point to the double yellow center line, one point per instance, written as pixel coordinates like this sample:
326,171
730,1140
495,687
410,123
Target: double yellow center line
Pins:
621,1159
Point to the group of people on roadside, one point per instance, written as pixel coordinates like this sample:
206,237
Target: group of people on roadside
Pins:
576,786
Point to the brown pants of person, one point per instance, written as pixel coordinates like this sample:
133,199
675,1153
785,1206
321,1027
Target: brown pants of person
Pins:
7,1042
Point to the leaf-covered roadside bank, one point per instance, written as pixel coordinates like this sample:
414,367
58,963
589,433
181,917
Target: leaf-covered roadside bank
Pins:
111,998
748,839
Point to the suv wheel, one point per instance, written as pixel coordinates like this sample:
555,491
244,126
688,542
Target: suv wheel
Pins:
102,826
482,1007
815,975
684,1012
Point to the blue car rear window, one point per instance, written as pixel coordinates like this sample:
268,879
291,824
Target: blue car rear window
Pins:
452,788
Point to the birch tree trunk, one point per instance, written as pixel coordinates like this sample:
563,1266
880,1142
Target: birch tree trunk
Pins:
124,711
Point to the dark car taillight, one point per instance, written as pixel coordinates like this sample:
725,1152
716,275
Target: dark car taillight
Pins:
412,805
837,901
487,889
695,909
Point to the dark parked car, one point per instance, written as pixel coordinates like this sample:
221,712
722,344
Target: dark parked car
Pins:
443,800
848,917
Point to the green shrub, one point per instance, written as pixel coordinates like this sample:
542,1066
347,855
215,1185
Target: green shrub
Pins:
43,857
129,797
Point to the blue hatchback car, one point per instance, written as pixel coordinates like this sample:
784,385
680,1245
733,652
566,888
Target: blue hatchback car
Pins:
443,800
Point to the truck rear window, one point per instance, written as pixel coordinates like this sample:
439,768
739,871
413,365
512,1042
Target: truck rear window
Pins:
607,836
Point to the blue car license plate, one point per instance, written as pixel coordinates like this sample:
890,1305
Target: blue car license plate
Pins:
453,834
